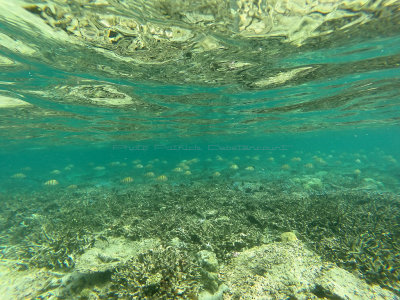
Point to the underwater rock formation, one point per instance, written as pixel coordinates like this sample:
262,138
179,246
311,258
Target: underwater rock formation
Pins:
288,270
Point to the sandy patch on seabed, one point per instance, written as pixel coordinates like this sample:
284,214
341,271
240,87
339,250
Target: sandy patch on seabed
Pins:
27,284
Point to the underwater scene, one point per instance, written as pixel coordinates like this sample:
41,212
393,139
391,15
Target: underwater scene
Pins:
202,149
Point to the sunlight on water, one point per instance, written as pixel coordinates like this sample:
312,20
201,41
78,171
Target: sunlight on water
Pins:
207,149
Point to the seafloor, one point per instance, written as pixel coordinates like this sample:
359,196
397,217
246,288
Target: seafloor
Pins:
311,235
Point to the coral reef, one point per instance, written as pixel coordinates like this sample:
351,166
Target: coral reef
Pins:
161,273
184,234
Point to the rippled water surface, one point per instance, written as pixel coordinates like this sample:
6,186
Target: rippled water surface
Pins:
91,71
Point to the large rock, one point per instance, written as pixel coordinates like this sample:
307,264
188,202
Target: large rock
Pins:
284,270
340,284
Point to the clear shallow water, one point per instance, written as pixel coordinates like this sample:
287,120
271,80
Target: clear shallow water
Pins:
141,101
340,153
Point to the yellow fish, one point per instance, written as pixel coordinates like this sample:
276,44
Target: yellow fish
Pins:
51,182
18,175
127,180
234,167
162,178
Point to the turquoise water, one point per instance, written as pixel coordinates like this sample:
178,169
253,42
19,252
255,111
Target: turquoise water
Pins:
118,115
372,151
